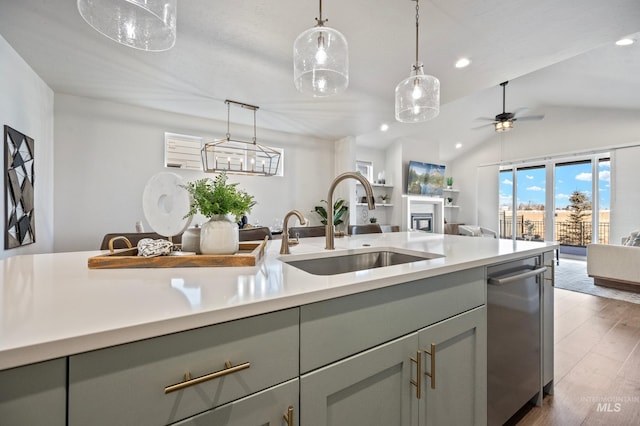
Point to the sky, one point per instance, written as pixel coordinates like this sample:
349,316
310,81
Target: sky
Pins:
532,184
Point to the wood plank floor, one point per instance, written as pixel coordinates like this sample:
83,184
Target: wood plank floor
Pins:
597,364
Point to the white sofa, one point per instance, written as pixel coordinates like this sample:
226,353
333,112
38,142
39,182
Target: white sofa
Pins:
616,266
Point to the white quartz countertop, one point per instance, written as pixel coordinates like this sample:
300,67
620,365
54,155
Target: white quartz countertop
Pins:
53,305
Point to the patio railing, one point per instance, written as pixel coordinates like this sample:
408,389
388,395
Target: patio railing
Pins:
566,233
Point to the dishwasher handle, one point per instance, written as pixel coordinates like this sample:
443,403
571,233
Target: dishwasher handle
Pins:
511,278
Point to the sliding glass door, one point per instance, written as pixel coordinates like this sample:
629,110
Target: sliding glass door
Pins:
553,200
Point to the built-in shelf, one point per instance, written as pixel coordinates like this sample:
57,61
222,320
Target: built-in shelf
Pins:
451,207
450,190
377,185
377,205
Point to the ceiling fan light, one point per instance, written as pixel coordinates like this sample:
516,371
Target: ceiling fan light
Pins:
417,97
504,126
142,24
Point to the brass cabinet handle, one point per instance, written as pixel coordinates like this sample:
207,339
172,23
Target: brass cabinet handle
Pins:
188,381
418,382
289,416
433,365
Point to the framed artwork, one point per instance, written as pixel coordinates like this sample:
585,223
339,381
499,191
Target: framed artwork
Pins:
18,184
365,168
425,179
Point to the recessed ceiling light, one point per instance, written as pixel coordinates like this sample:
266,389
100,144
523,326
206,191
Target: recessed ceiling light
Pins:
458,145
384,127
625,41
463,62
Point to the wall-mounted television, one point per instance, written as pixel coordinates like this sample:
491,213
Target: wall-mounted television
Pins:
425,179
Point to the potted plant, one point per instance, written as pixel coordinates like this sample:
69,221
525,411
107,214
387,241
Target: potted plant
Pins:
224,204
339,210
373,219
385,198
530,227
449,182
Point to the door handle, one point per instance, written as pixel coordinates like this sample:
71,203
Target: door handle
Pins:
432,375
418,381
511,278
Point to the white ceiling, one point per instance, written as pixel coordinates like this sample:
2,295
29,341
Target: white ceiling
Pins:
242,50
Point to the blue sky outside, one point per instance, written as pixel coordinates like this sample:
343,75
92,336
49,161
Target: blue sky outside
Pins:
569,178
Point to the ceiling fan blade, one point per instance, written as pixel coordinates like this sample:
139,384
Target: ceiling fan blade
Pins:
483,126
484,119
530,118
520,111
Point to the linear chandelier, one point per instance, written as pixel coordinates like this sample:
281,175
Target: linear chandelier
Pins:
417,96
321,60
240,157
142,24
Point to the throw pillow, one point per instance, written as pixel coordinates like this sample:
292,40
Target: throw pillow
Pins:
631,238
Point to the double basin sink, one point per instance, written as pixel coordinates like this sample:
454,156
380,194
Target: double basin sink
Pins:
359,261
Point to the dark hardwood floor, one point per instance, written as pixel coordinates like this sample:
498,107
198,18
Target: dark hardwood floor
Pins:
597,364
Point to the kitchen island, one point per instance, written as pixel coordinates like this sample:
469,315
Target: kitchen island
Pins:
57,310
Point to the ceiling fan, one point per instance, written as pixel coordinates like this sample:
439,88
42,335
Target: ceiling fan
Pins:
503,122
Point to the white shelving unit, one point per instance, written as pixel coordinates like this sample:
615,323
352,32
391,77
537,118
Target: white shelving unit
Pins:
451,210
382,211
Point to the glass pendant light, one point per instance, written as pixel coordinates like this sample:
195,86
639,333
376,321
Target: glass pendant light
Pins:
141,24
417,96
321,60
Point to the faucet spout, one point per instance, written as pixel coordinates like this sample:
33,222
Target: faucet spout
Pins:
371,203
284,248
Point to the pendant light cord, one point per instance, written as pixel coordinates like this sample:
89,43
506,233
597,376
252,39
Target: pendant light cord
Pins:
320,21
417,28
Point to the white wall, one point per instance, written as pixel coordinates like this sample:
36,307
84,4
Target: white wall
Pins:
26,105
106,152
564,131
625,201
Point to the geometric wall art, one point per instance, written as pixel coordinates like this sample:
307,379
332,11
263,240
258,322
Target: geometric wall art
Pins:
18,182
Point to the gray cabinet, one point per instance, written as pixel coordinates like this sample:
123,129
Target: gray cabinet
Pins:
364,361
371,388
34,394
454,371
134,383
276,406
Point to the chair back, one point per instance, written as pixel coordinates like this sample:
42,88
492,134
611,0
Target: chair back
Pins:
370,228
254,234
306,231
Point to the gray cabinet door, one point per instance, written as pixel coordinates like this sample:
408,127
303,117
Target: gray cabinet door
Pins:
455,394
34,394
372,388
266,408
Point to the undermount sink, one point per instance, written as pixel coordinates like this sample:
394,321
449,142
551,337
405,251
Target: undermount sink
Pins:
359,261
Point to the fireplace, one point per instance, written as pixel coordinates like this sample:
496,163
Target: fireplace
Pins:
420,213
422,222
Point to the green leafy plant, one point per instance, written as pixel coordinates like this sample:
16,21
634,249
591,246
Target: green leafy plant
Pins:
449,181
216,197
385,197
339,210
373,219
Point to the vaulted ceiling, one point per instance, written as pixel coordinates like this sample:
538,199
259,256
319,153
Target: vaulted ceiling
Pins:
242,50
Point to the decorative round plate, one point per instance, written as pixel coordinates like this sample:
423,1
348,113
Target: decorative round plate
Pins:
165,203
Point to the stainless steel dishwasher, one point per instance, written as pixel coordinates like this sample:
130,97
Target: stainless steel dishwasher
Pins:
513,337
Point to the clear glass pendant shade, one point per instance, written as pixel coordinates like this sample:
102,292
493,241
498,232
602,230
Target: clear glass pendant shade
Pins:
417,97
321,62
141,24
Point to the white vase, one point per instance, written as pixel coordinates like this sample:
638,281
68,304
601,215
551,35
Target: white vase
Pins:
219,236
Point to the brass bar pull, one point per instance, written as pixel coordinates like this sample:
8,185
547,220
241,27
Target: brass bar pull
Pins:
289,416
433,365
418,382
188,381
